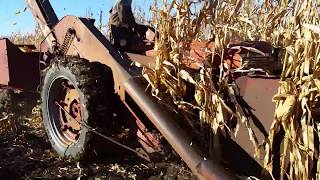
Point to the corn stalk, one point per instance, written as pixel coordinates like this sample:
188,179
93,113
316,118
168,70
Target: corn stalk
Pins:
293,26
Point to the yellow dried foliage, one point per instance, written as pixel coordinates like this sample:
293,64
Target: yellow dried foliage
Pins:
291,25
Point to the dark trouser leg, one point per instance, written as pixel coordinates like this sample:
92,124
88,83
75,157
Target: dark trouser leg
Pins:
121,37
125,39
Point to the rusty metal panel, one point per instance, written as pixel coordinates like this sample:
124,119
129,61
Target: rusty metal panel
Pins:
143,60
257,94
4,67
90,44
18,69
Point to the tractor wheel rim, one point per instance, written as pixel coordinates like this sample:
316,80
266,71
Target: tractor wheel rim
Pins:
71,117
66,117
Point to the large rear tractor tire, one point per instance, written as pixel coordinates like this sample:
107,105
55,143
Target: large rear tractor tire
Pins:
76,94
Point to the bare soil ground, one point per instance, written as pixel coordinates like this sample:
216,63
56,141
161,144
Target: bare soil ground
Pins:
25,153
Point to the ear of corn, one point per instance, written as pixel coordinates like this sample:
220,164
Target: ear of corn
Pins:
291,25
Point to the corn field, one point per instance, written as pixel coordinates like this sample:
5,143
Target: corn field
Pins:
292,26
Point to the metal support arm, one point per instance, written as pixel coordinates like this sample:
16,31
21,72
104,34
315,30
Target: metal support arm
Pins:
45,17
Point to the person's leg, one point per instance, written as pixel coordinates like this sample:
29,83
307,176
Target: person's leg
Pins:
115,36
121,37
125,39
141,31
145,32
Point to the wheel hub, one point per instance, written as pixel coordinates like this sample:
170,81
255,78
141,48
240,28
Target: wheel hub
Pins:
72,101
70,113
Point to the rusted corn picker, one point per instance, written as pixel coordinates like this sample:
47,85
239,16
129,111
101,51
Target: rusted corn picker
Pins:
81,76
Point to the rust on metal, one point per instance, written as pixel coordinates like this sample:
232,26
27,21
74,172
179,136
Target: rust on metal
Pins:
71,134
147,139
146,61
89,43
72,105
173,133
92,45
4,66
257,94
18,69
